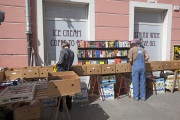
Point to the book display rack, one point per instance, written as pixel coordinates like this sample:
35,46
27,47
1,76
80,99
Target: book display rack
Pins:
102,52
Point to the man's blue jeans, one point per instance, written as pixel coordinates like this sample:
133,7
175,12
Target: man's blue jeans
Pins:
139,83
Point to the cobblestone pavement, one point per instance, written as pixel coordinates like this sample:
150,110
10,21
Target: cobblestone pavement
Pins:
164,106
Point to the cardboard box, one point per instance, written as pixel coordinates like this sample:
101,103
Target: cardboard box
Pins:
166,65
169,84
64,75
62,87
153,66
110,79
43,71
107,88
63,83
28,112
2,75
12,75
175,65
122,67
30,72
108,69
108,95
129,67
79,69
92,69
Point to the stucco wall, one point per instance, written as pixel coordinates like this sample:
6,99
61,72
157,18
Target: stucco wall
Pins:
175,27
13,51
112,20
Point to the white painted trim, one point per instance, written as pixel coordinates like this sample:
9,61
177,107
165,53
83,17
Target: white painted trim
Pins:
166,38
40,22
143,23
40,33
60,19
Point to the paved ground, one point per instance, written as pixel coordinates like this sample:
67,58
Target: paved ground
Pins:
164,106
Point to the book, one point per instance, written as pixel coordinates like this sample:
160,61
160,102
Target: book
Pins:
112,53
96,44
87,62
97,53
116,44
86,53
101,62
78,43
82,44
120,44
85,44
123,60
97,62
111,44
92,44
88,44
103,53
83,62
93,61
106,44
102,44
108,53
117,60
94,53
82,54
89,53
79,53
79,62
105,61
111,61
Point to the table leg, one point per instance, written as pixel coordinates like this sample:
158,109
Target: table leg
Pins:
57,111
174,81
64,101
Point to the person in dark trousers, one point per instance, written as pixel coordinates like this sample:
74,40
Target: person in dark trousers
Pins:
65,62
137,57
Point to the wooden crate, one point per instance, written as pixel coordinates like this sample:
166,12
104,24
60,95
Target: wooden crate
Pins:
17,93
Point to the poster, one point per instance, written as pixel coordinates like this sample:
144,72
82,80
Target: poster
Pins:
176,52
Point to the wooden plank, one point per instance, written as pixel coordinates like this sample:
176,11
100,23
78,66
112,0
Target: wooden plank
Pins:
174,80
40,94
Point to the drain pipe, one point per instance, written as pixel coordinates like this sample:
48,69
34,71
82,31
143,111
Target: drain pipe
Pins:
28,30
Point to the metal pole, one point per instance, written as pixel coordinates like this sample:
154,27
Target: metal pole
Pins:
28,30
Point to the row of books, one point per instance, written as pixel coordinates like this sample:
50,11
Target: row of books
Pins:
108,61
101,53
103,44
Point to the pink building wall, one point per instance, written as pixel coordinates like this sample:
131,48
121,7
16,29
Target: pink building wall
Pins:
13,51
112,20
111,23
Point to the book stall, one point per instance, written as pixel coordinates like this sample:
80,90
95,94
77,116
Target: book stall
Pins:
22,90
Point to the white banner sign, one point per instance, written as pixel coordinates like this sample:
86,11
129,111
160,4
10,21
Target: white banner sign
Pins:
59,31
